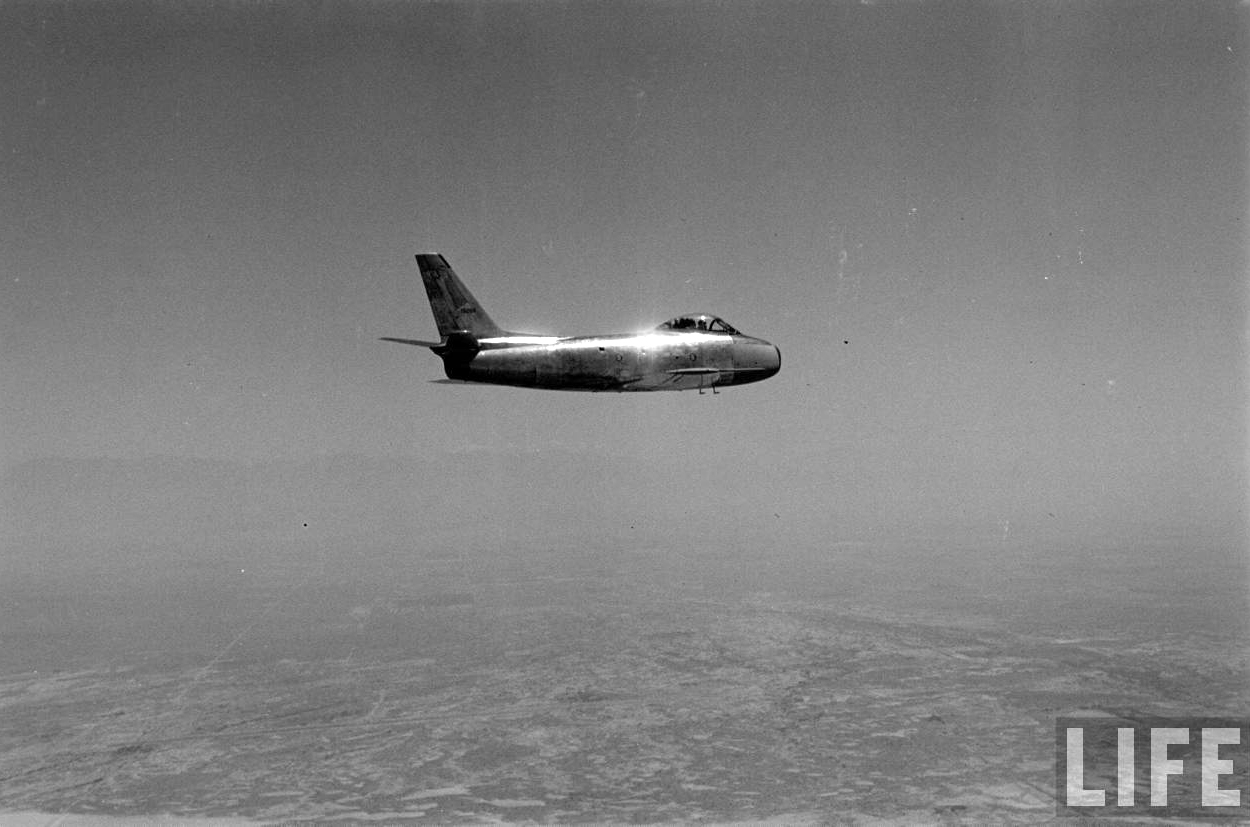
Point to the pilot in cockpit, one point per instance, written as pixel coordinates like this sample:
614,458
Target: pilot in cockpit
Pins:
711,324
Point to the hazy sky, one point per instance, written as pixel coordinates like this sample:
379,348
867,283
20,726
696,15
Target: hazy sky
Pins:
1000,245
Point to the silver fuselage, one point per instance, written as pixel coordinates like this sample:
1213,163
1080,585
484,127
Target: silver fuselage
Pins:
691,351
651,361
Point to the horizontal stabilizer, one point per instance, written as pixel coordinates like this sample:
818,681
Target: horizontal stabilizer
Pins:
458,343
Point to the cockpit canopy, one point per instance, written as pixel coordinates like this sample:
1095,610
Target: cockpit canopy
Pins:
698,321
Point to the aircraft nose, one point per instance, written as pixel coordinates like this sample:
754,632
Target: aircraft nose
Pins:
756,359
773,361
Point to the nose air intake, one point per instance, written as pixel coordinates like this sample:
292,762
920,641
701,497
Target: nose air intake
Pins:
754,360
771,360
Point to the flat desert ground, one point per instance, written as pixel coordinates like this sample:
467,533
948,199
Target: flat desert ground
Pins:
842,682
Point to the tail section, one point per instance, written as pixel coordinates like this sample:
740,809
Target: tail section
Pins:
455,309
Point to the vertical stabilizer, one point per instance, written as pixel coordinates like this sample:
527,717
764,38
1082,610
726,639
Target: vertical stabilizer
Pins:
455,309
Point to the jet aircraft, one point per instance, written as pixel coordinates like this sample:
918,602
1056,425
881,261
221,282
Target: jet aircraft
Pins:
694,351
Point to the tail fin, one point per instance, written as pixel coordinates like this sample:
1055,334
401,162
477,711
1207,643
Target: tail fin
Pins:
455,309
